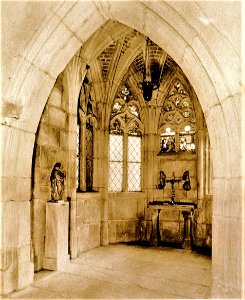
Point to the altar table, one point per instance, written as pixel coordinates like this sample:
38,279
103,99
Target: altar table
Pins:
187,212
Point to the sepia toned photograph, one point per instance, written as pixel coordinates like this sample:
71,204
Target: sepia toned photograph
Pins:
122,149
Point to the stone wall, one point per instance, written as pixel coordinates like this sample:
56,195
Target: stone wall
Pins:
126,217
51,146
202,229
88,221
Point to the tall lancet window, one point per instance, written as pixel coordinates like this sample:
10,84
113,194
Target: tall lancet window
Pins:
125,147
86,129
89,153
178,121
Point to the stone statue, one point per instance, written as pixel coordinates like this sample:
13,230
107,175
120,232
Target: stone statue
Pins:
57,181
162,183
187,183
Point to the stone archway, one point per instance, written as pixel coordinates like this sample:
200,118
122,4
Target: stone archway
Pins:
185,37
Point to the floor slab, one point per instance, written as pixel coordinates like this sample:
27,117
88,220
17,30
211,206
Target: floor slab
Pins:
126,272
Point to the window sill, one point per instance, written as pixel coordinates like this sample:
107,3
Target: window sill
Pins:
127,194
179,153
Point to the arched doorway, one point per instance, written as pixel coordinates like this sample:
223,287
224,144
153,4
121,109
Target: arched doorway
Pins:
194,56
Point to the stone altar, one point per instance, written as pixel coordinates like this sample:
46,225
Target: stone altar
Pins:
187,212
56,241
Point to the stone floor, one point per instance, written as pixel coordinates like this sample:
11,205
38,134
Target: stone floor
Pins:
126,272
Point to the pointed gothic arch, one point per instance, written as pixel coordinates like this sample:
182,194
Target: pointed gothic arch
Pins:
218,93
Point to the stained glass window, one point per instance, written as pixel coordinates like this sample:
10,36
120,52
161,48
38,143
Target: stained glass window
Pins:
187,139
125,146
168,141
89,156
86,121
78,159
177,123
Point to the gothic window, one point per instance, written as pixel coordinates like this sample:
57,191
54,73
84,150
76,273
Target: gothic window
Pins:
125,147
86,128
177,123
78,167
89,153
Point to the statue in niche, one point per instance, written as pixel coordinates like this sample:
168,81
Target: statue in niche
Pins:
57,181
162,183
187,183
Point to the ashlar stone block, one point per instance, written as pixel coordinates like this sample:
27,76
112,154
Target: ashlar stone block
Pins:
8,188
78,14
120,233
48,136
57,117
9,270
172,17
130,230
55,97
94,235
15,223
83,238
10,145
206,89
25,268
112,231
211,65
48,50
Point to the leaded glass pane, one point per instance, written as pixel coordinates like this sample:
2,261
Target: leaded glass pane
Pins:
134,129
89,174
187,141
115,176
134,174
116,109
134,110
78,158
134,149
89,141
116,147
89,157
168,142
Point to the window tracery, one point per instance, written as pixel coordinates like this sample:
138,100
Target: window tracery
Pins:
86,127
178,122
125,146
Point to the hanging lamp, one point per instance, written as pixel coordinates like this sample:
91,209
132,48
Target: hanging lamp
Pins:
151,76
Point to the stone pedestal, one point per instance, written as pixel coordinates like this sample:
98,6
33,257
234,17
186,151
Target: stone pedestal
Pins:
56,241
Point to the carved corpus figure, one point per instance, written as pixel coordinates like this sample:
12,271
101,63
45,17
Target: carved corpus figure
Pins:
57,180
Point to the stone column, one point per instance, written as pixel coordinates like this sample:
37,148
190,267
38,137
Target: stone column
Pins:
149,163
56,241
73,77
201,163
104,229
208,166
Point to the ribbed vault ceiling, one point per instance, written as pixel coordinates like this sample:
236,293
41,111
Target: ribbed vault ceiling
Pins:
132,43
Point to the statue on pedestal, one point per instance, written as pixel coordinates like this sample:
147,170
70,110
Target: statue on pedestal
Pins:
57,181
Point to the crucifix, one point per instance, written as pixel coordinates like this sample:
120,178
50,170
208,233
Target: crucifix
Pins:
173,180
